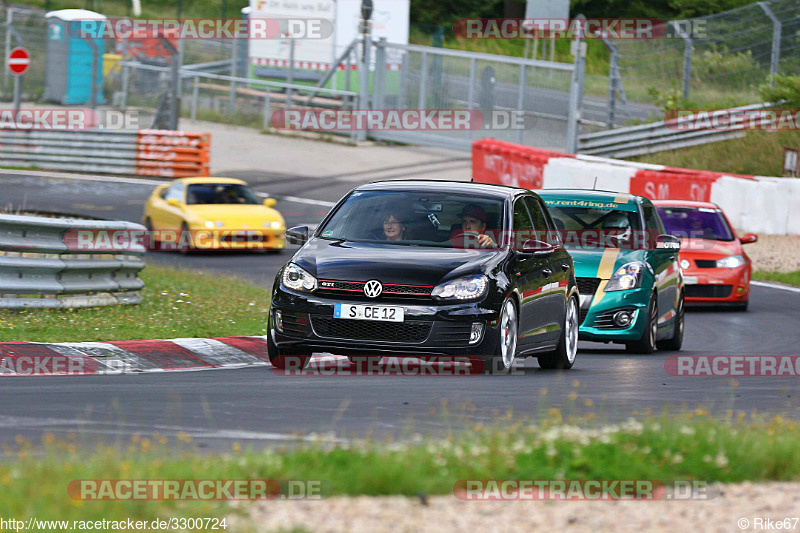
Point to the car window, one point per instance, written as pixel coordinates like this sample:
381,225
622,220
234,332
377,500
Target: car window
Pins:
220,193
175,191
583,225
696,223
541,221
421,218
651,219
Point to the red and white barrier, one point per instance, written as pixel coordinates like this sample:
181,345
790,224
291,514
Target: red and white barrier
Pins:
752,203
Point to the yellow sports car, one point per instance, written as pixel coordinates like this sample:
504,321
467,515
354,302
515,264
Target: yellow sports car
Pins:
212,214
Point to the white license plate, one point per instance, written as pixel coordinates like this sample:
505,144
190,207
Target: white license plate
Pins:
690,280
368,312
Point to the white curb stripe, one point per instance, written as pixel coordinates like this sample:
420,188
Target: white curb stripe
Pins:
775,286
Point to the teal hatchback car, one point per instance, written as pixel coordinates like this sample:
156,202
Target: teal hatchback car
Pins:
627,268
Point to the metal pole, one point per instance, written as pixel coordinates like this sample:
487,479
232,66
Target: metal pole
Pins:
173,111
234,61
267,116
363,83
423,79
125,74
379,87
17,94
473,67
574,117
521,99
9,22
777,28
687,57
612,82
195,94
290,75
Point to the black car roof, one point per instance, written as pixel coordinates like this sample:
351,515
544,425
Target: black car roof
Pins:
467,187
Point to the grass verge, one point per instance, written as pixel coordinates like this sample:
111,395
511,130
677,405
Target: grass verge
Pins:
691,446
176,303
790,278
757,153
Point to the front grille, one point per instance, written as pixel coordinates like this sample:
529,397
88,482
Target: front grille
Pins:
705,263
606,320
391,290
708,291
588,286
340,328
296,325
453,332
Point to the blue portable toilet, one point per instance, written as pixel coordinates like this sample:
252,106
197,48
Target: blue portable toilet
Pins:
68,66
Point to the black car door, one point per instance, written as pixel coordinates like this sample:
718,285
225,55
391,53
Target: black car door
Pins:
556,272
530,278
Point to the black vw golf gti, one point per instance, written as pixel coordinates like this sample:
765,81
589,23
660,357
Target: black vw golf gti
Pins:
429,268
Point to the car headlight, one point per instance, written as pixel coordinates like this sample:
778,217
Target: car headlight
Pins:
466,288
628,276
732,261
297,279
273,225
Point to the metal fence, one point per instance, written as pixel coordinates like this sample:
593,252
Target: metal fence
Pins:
422,77
714,61
43,265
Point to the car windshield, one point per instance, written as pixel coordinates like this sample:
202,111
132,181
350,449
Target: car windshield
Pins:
220,193
413,218
583,227
695,223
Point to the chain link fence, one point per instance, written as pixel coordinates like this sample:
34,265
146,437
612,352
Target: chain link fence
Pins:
714,61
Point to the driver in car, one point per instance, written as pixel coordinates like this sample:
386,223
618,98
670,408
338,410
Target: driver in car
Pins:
473,226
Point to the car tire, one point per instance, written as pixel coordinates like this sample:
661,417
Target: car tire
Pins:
151,241
564,355
285,359
184,230
647,342
674,343
502,358
742,307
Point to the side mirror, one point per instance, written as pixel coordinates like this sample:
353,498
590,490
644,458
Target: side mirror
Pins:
668,242
537,248
748,238
297,235
269,202
174,202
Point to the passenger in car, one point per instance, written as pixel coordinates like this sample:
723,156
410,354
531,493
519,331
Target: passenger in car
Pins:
394,228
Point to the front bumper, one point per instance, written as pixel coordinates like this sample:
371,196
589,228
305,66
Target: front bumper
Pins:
429,328
267,239
595,326
717,286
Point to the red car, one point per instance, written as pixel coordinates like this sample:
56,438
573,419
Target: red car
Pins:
716,270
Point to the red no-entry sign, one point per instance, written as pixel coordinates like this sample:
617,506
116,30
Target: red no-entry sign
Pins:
18,61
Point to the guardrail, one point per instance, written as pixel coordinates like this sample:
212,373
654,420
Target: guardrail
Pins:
52,263
174,154
656,137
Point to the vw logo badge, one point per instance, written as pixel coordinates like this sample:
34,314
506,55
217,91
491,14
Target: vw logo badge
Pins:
373,288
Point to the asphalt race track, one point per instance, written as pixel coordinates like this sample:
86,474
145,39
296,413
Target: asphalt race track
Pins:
256,406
